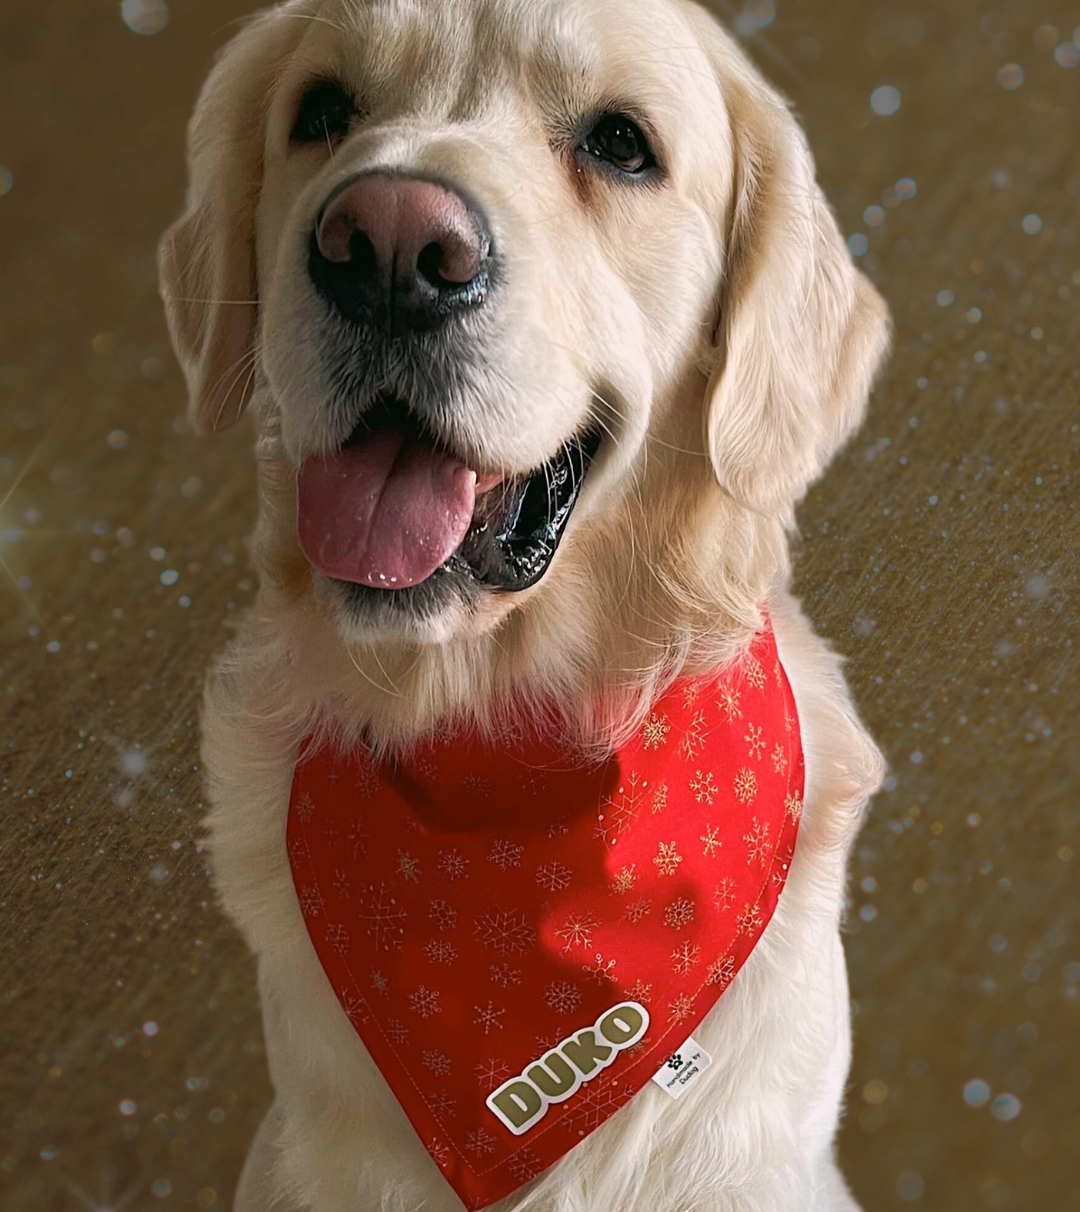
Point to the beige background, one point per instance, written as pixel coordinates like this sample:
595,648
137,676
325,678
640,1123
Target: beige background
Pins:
939,555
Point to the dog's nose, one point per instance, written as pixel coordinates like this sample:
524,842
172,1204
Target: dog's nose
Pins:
400,253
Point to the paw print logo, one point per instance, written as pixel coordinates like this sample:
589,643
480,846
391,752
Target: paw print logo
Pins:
674,1061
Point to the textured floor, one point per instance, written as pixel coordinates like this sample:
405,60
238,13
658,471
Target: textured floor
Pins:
939,555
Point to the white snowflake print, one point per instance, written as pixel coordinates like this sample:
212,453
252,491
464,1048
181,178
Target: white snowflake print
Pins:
553,877
525,1165
443,914
729,703
438,1062
342,885
758,845
779,759
480,1142
704,787
745,785
442,1105
600,970
407,866
724,894
311,901
476,786
504,931
439,1153
711,841
639,991
425,1002
489,1018
504,976
297,849
545,1043
379,983
384,918
755,674
305,809
491,1073
682,1007
679,914
562,997
794,806
754,742
356,1009
356,837
531,783
654,731
453,864
667,860
559,826
338,938
367,781
332,836
577,930
697,733
749,919
505,854
439,951
659,798
624,879
690,693
397,1031
636,910
592,1105
684,957
619,811
721,970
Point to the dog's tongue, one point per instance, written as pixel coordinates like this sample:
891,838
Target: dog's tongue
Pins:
384,512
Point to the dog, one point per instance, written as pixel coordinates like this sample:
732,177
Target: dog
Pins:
567,263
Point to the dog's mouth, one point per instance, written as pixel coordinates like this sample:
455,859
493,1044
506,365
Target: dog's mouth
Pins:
393,506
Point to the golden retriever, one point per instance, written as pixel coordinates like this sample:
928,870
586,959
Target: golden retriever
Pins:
626,289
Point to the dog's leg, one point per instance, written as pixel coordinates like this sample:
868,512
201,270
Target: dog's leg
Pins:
260,1188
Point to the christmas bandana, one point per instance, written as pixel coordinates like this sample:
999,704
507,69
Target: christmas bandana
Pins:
521,940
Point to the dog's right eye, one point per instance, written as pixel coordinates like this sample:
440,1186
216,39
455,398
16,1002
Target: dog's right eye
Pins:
325,114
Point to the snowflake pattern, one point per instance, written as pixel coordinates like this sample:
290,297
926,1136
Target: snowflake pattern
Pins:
721,971
679,914
337,938
659,798
794,806
755,674
305,809
480,1142
654,731
380,984
592,1105
704,787
356,1009
504,931
407,866
711,841
749,919
618,812
553,876
443,914
779,759
600,970
504,976
723,896
577,930
342,885
525,1165
758,845
685,956
505,854
397,1031
667,859
443,1106
439,951
489,1018
425,1002
637,910
476,786
558,826
682,1007
625,879
754,742
562,997
729,704
639,991
453,864
697,733
439,1153
438,1062
384,918
311,901
491,1073
746,785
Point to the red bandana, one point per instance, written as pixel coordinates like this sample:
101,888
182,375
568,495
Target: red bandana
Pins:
521,943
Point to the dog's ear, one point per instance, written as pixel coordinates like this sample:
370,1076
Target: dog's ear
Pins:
801,331
206,259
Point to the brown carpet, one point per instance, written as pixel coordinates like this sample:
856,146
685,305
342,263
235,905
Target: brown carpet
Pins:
940,555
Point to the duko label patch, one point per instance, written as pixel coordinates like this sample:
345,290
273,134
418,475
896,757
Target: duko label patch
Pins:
682,1068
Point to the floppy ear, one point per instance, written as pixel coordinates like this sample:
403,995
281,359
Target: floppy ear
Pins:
207,258
801,330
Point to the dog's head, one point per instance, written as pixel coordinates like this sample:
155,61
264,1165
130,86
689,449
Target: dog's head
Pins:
528,294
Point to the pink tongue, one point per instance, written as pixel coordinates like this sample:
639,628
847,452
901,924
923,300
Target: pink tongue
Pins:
386,512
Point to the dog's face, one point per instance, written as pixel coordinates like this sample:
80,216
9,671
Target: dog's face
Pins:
486,261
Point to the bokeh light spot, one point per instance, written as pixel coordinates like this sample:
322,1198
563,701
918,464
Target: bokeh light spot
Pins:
1010,76
145,16
976,1093
885,100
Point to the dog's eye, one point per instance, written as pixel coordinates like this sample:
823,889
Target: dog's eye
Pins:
325,114
619,141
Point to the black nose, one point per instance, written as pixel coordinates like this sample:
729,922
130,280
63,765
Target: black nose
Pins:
399,253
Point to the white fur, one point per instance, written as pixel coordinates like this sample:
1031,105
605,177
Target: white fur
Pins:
730,343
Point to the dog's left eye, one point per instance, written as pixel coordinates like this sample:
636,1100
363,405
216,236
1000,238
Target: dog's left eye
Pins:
325,114
619,142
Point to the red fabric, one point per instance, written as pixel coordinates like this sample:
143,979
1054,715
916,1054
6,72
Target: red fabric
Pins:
478,903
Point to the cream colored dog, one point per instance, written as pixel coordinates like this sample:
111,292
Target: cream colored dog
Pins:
637,278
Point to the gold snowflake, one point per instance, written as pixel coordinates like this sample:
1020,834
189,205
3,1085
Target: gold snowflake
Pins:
380,984
749,919
757,842
729,703
438,1062
667,860
712,842
679,914
721,970
794,806
779,759
440,1154
599,970
453,864
696,733
562,997
654,731
724,894
746,785
639,991
704,787
685,956
659,799
682,1007
505,854
754,741
637,910
625,879
690,693
577,930
305,808
407,866
480,1142
425,1002
755,675
440,952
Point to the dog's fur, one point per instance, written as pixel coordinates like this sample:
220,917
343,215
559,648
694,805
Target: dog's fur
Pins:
713,324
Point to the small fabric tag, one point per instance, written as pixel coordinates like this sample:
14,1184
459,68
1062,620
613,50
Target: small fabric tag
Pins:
682,1068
